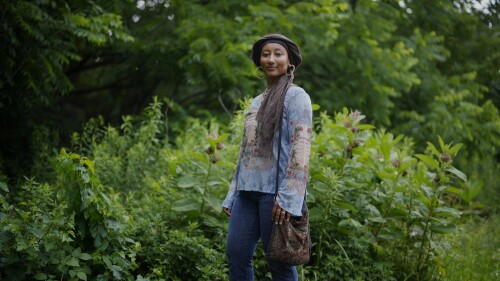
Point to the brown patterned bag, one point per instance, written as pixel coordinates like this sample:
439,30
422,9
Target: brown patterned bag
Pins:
290,242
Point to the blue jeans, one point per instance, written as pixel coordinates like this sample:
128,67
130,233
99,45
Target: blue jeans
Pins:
250,221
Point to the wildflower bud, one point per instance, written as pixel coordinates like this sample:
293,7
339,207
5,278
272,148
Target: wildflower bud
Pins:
214,159
445,157
396,163
348,148
347,124
355,129
209,150
219,146
356,143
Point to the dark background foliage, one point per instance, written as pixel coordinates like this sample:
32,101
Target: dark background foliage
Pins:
70,71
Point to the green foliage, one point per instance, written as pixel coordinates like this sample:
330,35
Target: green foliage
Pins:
148,209
381,200
34,58
379,208
453,111
39,40
417,69
475,254
172,194
69,229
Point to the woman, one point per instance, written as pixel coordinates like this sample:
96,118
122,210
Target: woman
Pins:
250,202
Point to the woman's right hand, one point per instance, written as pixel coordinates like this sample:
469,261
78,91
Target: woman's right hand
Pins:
227,211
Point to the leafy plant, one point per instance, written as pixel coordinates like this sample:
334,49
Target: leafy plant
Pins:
71,229
150,208
378,207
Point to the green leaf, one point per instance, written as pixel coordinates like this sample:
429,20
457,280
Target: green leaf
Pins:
377,219
81,275
185,205
428,160
198,156
441,143
73,262
89,164
76,252
212,221
106,198
4,187
453,151
350,222
348,206
85,256
85,177
406,164
106,260
366,127
447,211
315,106
443,229
214,203
433,149
457,173
212,183
117,271
373,211
37,232
74,156
454,190
40,276
186,182
397,139
383,175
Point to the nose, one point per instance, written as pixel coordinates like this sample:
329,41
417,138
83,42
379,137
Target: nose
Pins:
271,59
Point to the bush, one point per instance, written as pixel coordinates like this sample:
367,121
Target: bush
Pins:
69,229
150,208
376,206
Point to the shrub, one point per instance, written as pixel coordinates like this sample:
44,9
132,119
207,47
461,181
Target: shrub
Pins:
69,229
149,208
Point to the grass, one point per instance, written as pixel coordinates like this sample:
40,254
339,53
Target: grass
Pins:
473,253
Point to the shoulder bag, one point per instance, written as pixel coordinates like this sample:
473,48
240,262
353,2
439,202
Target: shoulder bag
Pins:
290,242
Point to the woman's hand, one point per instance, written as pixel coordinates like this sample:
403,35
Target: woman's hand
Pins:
279,215
227,211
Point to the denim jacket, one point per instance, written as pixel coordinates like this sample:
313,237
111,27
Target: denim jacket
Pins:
257,173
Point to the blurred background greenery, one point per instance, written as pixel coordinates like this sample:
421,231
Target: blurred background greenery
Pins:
419,68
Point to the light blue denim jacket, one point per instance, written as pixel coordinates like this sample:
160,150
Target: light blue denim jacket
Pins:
257,173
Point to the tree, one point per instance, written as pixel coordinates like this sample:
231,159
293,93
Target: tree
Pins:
40,39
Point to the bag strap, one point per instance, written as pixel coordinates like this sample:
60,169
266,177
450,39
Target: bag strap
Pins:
278,160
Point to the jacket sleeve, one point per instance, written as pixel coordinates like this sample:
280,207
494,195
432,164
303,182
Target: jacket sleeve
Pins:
292,189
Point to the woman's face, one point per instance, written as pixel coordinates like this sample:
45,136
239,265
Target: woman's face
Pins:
274,60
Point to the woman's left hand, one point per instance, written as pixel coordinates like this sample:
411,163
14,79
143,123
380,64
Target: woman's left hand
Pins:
279,215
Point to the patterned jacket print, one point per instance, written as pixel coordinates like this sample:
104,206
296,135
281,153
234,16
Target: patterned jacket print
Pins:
255,172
